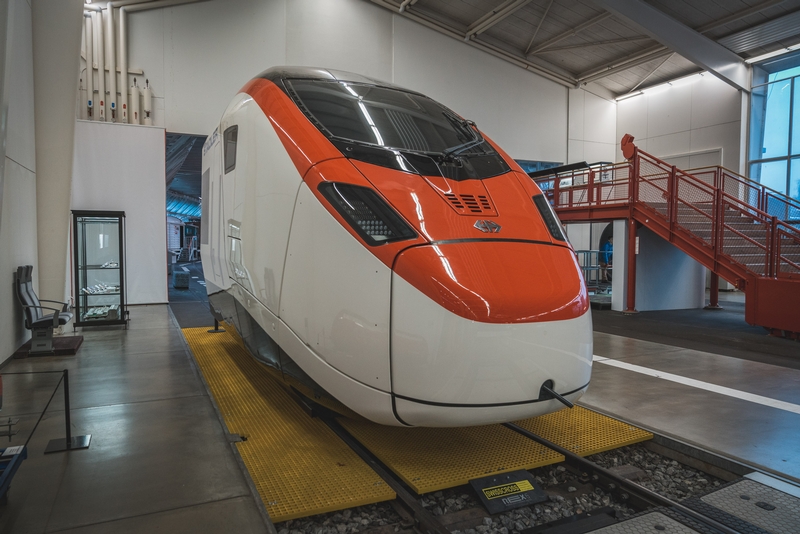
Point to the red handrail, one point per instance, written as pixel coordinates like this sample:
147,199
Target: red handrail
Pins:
666,182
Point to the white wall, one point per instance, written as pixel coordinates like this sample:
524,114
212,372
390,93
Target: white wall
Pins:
18,174
666,278
121,168
592,128
690,117
524,113
198,56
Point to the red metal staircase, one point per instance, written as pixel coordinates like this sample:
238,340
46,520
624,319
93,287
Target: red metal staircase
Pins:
739,229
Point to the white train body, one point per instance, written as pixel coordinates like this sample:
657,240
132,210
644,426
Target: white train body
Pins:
456,325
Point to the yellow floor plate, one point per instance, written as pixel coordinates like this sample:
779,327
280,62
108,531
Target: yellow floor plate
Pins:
430,459
297,463
583,431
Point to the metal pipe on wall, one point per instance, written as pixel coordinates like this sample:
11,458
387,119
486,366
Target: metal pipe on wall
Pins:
101,66
147,102
119,103
89,39
112,63
133,117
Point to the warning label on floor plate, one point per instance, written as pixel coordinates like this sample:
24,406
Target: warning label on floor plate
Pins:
507,489
500,493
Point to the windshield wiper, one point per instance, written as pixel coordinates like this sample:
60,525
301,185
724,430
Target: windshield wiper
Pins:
464,127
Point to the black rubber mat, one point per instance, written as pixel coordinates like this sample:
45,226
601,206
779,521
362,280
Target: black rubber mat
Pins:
716,331
62,346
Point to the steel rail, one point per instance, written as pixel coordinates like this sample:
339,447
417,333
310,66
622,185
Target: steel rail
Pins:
628,486
428,523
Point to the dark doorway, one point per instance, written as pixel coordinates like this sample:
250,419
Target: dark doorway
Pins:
187,292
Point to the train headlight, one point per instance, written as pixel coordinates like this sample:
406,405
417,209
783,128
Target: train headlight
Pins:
367,213
549,216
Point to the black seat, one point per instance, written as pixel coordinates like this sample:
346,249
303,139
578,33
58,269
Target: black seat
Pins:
40,324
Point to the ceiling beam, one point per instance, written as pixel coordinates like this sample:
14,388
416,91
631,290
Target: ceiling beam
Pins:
687,42
738,15
622,40
618,65
538,26
494,16
569,33
646,77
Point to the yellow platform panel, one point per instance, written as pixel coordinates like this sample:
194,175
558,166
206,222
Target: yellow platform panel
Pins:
299,466
430,459
583,431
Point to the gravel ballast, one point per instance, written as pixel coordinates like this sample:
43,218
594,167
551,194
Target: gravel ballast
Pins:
568,496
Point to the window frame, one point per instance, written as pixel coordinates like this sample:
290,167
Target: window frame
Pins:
789,157
230,132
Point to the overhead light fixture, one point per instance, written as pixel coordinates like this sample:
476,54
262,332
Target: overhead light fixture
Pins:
654,89
627,96
686,79
773,54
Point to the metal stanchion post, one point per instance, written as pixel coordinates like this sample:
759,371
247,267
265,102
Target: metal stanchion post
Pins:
68,443
216,329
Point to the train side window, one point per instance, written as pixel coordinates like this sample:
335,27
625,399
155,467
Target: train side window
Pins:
230,137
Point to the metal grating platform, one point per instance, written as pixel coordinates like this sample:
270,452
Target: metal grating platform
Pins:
297,463
651,523
583,431
431,459
759,505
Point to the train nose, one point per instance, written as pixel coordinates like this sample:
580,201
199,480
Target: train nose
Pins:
480,326
497,281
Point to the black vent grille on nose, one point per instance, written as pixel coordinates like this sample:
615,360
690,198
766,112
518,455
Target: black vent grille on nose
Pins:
470,203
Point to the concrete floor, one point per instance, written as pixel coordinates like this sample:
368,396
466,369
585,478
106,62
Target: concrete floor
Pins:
739,396
159,458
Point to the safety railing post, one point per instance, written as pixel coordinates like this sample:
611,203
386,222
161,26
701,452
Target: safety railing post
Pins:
67,418
672,198
590,190
718,224
773,253
556,192
633,187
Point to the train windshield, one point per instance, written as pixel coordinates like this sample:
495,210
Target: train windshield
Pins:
389,118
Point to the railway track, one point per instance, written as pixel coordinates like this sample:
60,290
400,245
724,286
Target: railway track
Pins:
652,512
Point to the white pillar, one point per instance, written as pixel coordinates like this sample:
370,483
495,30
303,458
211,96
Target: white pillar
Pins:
619,278
57,28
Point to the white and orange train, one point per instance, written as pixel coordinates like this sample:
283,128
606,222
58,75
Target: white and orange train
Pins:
372,246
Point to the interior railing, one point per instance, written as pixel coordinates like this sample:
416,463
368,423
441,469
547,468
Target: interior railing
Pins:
724,216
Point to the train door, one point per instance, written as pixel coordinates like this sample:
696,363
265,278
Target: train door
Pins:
212,234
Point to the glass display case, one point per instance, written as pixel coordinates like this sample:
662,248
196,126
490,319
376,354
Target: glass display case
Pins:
99,265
